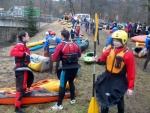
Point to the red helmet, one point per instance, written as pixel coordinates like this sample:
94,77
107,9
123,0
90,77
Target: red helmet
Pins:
111,31
49,30
52,33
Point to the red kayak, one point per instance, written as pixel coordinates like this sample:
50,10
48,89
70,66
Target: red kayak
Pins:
38,93
139,38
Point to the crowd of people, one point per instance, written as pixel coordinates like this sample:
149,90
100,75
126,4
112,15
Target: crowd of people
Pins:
66,51
133,29
110,86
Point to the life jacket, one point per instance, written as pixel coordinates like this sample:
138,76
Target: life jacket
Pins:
52,42
147,42
22,61
115,63
69,53
105,48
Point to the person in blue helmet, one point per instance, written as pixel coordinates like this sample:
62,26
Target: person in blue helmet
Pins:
147,44
109,40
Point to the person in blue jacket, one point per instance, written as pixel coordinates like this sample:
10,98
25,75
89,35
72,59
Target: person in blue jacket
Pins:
109,40
51,35
50,47
73,21
47,35
147,43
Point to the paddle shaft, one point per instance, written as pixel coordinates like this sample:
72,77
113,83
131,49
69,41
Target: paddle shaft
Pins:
95,39
98,38
94,69
93,107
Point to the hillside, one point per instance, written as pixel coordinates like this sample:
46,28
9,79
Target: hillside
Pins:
138,103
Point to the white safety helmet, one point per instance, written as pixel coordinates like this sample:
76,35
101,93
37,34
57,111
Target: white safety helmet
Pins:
47,33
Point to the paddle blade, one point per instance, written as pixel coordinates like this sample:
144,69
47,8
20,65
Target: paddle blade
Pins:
96,27
93,107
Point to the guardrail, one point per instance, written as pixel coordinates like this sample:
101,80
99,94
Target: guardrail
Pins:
5,13
42,17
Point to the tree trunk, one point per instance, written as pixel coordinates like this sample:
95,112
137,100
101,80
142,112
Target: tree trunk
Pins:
50,6
148,13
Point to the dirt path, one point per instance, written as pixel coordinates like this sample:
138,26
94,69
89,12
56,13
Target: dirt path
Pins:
138,103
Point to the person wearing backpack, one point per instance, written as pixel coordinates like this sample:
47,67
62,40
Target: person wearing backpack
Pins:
49,48
24,76
69,52
119,76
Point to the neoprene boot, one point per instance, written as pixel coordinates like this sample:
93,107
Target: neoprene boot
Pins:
120,105
23,106
18,110
104,109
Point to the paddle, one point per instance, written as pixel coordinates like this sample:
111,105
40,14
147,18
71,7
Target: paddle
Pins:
93,107
98,38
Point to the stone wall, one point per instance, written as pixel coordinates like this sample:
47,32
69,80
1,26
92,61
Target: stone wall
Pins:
8,34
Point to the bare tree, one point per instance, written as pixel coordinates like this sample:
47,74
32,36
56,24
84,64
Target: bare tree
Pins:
127,10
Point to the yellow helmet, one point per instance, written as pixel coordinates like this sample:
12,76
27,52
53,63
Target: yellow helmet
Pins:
120,34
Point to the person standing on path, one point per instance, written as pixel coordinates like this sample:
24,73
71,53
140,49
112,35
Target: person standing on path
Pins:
119,76
24,76
147,43
69,52
50,47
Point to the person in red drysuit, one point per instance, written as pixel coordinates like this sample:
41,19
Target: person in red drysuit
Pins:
24,76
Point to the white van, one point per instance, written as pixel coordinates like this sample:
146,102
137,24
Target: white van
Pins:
83,16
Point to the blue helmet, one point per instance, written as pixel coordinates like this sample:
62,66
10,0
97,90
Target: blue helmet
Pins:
115,29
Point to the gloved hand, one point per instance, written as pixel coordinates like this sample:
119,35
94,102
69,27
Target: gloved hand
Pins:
25,54
105,48
45,54
129,92
95,58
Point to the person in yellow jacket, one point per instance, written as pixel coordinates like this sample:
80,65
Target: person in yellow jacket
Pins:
119,76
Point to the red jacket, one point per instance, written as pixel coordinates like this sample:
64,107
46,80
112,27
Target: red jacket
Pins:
18,51
78,30
129,62
58,51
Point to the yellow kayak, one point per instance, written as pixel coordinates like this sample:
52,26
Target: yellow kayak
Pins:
51,84
35,66
40,92
48,84
140,44
36,43
69,25
39,63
